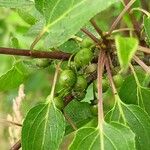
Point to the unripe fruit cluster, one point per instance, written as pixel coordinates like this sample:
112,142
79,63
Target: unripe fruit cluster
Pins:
72,80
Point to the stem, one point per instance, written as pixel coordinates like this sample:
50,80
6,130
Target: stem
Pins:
101,62
99,31
122,30
135,76
142,64
144,49
35,54
10,122
114,90
38,38
110,76
134,22
92,36
16,146
127,7
54,81
141,10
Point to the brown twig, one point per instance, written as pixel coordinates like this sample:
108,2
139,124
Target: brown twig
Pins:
89,34
16,146
35,53
133,20
142,64
115,23
122,30
99,31
101,61
107,64
10,122
144,49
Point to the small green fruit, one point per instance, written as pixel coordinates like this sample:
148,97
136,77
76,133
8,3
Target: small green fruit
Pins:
59,103
118,80
83,57
86,43
43,63
91,68
94,110
105,85
80,84
67,78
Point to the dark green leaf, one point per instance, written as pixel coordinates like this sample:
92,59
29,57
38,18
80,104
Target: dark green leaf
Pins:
43,128
79,113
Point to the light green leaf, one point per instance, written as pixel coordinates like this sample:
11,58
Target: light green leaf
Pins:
147,28
137,120
126,48
14,42
27,17
14,77
36,28
65,18
116,137
89,94
43,128
15,3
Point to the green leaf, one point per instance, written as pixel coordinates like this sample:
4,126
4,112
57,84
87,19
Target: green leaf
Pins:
79,113
128,90
137,120
65,18
126,48
132,93
36,28
116,137
14,42
14,77
147,28
43,128
15,3
89,94
27,17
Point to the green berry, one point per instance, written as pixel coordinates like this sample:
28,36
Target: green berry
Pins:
80,84
105,85
43,63
118,80
59,103
67,78
91,68
86,43
94,110
83,57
